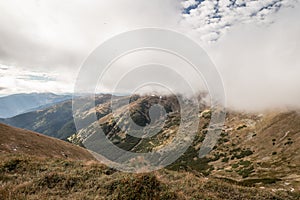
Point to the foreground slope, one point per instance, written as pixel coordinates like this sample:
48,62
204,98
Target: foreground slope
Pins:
18,141
31,177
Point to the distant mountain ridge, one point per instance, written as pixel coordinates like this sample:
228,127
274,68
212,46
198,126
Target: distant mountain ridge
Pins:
16,104
55,121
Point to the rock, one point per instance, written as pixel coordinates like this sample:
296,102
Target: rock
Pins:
206,114
241,126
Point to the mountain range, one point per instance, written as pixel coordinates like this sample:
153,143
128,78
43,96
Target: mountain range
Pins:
254,150
16,104
55,120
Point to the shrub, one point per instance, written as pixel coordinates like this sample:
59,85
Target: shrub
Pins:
11,164
144,186
245,163
245,172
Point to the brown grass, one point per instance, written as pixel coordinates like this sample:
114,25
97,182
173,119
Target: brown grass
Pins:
15,140
30,177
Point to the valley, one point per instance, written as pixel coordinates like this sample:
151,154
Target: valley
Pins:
254,151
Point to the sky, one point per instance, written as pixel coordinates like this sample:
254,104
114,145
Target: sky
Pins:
254,44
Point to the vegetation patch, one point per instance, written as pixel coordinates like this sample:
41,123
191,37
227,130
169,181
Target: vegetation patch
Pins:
245,172
144,186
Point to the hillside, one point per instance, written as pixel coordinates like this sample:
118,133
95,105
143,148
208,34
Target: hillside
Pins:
55,121
253,148
261,146
33,166
47,121
18,141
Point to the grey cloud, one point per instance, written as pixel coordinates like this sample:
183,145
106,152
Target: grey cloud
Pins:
55,37
60,34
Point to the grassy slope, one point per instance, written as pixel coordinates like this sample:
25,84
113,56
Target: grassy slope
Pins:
37,169
273,141
29,177
254,149
19,141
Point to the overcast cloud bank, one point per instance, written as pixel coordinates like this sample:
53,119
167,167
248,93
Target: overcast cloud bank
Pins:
254,44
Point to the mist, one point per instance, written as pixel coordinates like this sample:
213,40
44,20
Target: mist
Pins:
260,66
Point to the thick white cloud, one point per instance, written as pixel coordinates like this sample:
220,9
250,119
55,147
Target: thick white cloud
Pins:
189,3
55,33
212,18
55,36
260,65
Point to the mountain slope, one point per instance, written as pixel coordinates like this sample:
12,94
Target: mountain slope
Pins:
55,121
19,141
48,121
253,148
241,166
16,104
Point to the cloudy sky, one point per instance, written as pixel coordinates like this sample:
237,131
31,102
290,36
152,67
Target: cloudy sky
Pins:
253,43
